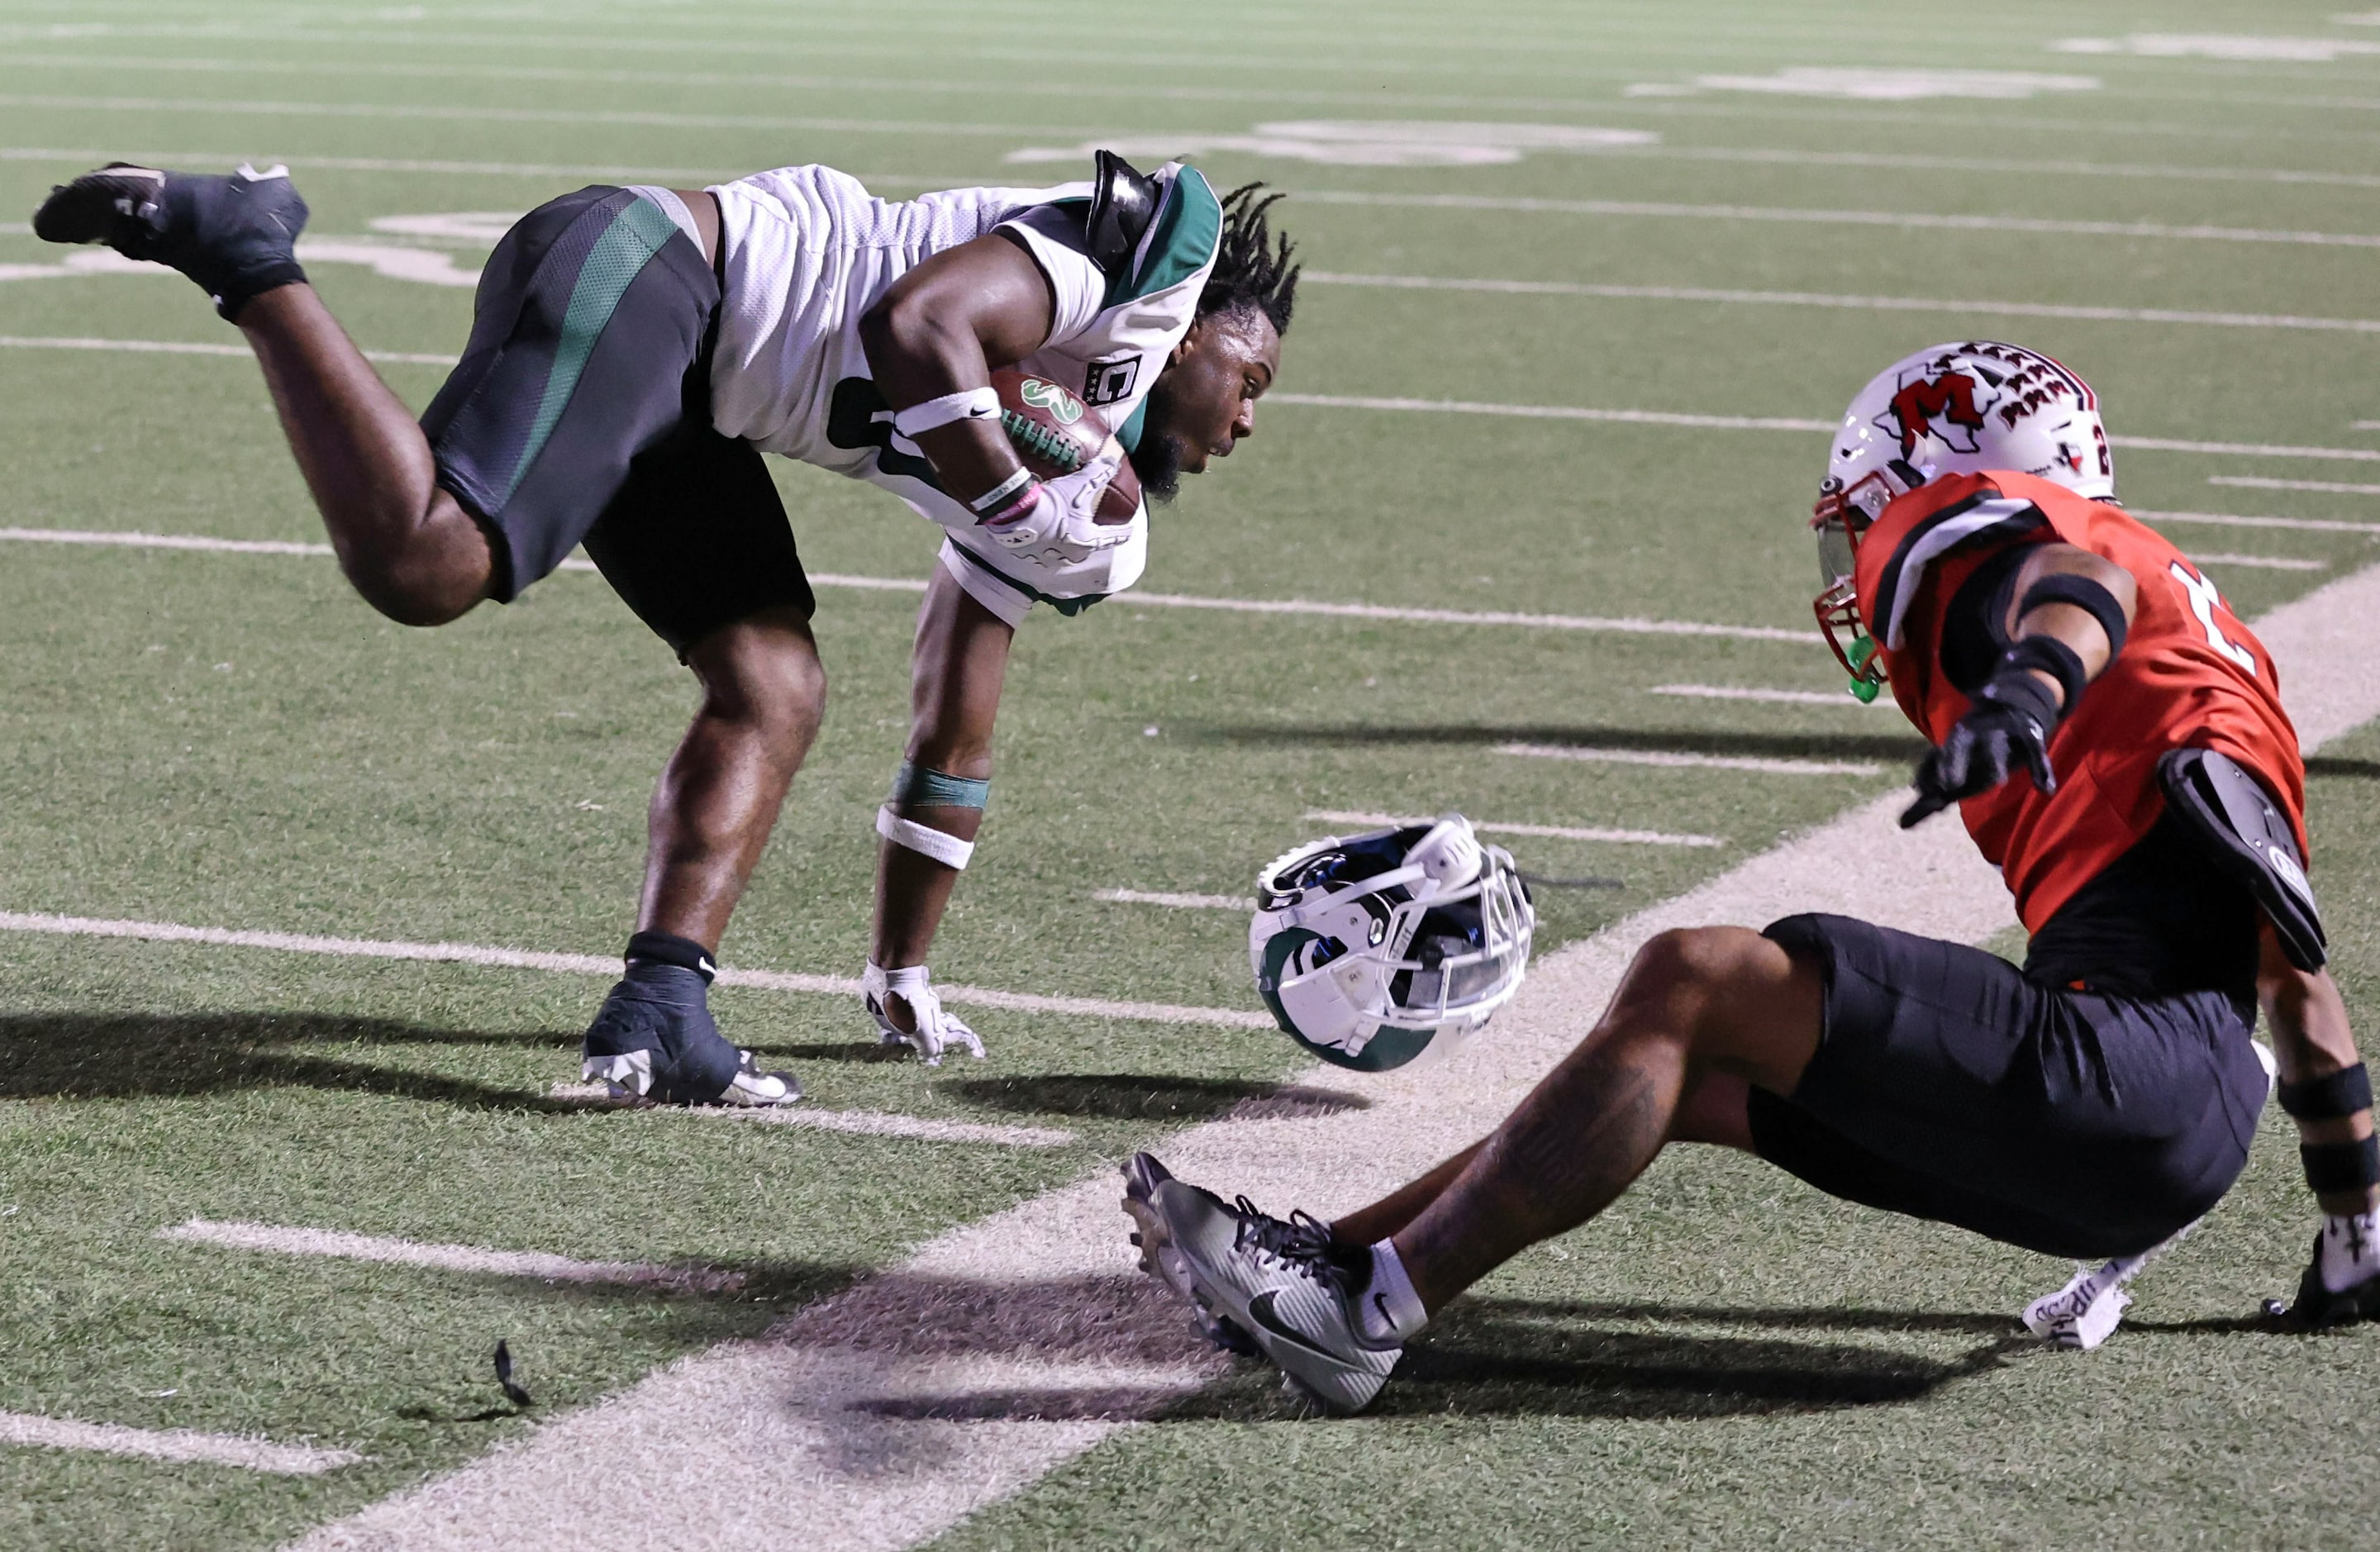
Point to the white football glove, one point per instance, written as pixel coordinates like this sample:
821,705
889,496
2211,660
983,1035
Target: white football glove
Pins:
936,1030
1062,528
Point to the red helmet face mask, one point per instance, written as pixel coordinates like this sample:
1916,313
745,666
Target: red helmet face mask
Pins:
1842,516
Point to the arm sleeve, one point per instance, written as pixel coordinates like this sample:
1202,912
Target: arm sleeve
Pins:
1974,629
1054,236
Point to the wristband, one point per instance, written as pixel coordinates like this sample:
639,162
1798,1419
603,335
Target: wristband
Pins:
998,496
2050,656
1026,501
2330,1096
2340,1167
970,403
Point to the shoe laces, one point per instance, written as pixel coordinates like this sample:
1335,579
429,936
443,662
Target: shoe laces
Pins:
1299,1243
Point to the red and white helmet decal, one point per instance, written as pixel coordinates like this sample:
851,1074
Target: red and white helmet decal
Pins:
1965,408
1971,407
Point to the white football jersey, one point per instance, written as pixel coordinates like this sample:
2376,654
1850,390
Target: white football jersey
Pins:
807,250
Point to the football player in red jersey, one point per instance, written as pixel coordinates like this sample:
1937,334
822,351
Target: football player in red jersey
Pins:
2114,740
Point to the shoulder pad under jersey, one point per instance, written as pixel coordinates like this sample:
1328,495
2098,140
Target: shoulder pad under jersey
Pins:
1124,202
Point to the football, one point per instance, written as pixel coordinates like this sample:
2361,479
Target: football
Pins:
1055,432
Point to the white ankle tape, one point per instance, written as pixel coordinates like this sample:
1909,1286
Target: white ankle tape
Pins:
942,846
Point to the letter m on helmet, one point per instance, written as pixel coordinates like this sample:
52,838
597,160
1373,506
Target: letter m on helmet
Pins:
1920,405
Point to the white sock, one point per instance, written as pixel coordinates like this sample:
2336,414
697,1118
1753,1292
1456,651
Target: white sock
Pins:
2350,1249
1390,1310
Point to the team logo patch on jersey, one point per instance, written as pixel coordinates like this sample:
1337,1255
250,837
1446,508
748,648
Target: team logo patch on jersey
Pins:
1041,393
1112,382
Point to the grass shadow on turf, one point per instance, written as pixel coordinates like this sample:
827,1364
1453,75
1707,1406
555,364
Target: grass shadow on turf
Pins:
109,1056
2340,765
864,1051
1722,742
1474,1365
1789,1319
1149,1097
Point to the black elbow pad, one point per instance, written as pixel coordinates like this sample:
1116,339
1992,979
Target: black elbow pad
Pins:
2242,832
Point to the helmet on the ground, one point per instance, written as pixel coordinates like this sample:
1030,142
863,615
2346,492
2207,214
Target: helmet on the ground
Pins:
1374,949
1969,408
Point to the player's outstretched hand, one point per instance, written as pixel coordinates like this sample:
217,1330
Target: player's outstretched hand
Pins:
1984,748
941,1030
933,1028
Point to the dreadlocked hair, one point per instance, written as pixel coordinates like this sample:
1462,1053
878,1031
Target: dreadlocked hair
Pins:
1251,273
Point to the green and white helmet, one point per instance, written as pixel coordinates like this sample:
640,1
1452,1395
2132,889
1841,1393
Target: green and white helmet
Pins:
1373,950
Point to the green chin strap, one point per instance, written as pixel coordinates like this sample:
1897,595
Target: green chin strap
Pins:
1864,685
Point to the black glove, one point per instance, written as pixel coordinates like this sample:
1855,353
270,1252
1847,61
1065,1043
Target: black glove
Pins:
2009,725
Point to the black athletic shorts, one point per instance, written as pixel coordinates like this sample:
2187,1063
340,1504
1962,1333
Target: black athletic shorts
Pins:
1949,1086
580,413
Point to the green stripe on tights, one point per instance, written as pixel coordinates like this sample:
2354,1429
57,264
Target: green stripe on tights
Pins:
637,231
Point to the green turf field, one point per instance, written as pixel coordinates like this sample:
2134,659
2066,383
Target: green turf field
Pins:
231,740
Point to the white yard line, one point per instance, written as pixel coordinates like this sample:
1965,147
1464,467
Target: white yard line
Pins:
1843,303
2257,563
2233,520
597,172
1359,401
2032,171
1771,423
865,1124
196,348
2258,482
1743,692
163,541
908,585
282,1240
1625,625
1685,761
879,1418
261,108
1559,412
1501,827
1177,901
1907,219
604,965
173,1443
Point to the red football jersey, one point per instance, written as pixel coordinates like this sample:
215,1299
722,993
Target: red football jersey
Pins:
2190,676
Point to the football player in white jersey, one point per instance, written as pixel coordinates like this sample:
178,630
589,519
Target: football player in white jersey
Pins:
634,352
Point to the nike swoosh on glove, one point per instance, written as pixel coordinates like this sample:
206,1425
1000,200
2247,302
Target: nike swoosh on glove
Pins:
2008,727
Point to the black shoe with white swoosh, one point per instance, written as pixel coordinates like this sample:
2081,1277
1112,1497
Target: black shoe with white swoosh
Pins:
1281,1281
234,235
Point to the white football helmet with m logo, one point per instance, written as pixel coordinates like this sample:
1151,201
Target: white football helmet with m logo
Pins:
1969,408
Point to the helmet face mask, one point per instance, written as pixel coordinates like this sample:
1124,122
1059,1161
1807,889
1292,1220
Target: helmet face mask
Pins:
1972,406
1374,950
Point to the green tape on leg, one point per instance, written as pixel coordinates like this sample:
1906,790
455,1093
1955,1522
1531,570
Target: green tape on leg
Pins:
913,784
